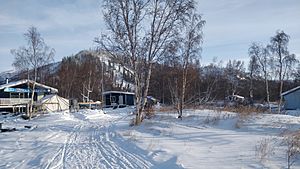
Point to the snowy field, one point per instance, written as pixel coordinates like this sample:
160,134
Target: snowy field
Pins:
94,139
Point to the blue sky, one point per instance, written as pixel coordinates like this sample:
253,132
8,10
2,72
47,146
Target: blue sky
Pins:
71,25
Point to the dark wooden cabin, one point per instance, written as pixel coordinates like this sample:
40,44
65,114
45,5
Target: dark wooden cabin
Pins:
118,99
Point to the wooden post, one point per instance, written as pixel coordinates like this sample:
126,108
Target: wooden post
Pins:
27,110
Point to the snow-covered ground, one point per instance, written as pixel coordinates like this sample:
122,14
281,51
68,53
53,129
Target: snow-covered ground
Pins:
94,139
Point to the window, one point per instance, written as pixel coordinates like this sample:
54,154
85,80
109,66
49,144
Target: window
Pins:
113,99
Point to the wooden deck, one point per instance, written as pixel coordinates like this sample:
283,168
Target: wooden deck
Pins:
14,104
14,101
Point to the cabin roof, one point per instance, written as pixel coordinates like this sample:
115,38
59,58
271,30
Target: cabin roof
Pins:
290,91
120,92
19,82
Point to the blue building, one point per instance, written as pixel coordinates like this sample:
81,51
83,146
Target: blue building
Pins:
18,94
292,99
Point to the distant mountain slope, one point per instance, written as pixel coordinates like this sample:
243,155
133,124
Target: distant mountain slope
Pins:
7,75
121,75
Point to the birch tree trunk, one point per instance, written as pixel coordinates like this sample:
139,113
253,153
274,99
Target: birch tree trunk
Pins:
182,98
32,95
267,91
280,78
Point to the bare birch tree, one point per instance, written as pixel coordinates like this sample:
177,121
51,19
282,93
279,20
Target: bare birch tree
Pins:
253,70
262,56
186,48
36,54
234,72
138,31
284,61
212,74
265,63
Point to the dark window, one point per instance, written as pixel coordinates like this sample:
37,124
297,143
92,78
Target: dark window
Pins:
113,99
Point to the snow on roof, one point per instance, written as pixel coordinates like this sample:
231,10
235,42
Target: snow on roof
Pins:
15,83
238,96
46,97
290,91
108,92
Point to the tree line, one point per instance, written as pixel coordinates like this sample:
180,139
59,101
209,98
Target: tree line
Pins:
258,80
160,42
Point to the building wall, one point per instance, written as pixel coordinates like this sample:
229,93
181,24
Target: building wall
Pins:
130,100
112,98
292,100
4,94
37,96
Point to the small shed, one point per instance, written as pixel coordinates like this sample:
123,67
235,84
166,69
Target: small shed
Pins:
292,99
118,98
52,103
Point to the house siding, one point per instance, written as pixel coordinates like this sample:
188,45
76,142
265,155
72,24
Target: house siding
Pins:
114,98
292,100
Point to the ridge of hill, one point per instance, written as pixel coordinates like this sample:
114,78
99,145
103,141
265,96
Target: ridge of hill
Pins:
111,66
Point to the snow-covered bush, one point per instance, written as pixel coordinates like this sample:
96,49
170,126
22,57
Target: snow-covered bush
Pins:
264,149
293,149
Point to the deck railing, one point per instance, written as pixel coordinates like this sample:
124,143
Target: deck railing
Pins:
14,101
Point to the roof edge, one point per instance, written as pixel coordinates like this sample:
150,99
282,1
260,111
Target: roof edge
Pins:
107,92
290,91
22,81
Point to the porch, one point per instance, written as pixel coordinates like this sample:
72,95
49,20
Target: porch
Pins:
13,101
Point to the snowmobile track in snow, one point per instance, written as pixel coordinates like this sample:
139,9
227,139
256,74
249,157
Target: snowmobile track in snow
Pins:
92,145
